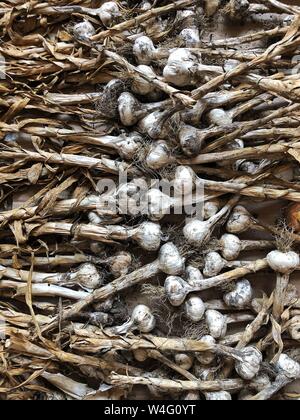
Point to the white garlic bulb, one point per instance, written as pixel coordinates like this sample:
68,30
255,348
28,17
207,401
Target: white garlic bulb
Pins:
231,246
294,328
141,86
207,357
176,290
214,264
159,155
283,262
179,67
159,204
194,308
86,276
249,363
141,319
239,220
219,117
170,260
120,263
260,382
241,296
193,276
184,361
184,181
108,12
144,50
197,232
216,323
218,396
190,37
148,235
84,30
211,208
288,367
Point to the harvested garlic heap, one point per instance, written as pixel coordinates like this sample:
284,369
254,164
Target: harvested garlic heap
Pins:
139,146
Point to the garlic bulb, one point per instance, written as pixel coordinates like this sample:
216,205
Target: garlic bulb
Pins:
84,30
184,361
170,260
219,117
184,181
207,357
216,323
144,50
109,12
141,86
120,263
193,276
131,110
294,328
231,246
214,264
94,218
159,156
241,296
197,232
249,363
288,367
86,276
155,125
159,204
148,235
218,396
239,220
190,140
190,37
283,262
179,67
211,208
141,319
176,290
260,382
194,308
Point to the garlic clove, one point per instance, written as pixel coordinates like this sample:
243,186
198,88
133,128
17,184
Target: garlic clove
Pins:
249,364
288,367
241,296
84,30
218,396
193,276
239,220
176,290
184,361
194,308
170,260
197,232
231,246
216,323
283,262
206,358
214,264
143,50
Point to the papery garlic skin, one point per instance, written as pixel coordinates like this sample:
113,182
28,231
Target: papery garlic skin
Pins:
214,264
231,246
175,289
294,328
193,276
283,262
239,220
158,156
148,235
170,260
216,323
141,86
241,296
288,367
218,396
84,30
144,50
219,117
184,361
197,232
250,363
206,358
194,308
